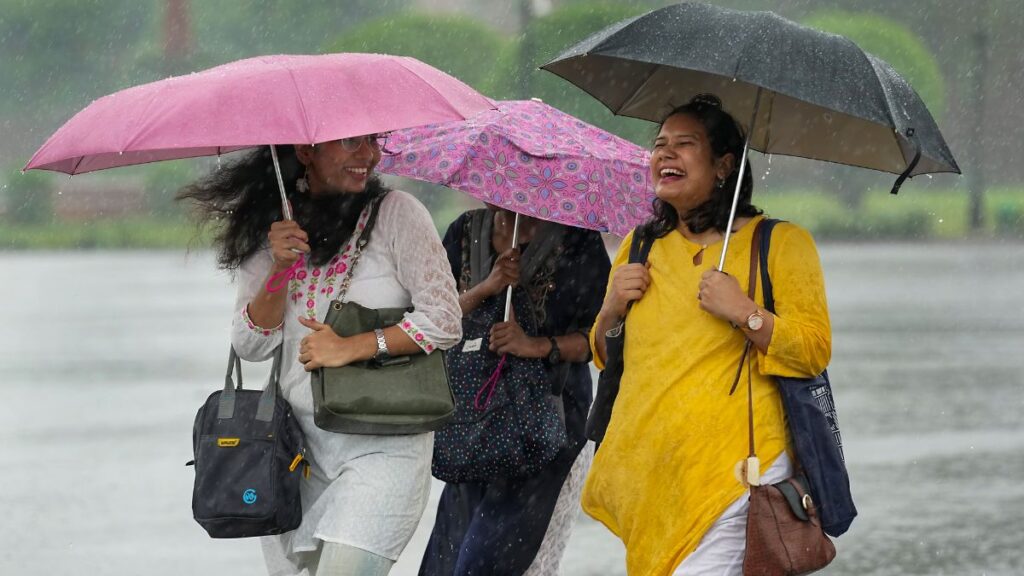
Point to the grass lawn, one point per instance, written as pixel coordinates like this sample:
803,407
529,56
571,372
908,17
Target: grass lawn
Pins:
913,215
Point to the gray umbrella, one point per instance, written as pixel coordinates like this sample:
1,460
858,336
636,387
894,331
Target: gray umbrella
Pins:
799,91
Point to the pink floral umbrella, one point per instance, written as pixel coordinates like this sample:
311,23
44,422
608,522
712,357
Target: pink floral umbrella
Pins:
532,159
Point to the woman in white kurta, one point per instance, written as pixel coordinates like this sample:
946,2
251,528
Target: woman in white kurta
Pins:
366,494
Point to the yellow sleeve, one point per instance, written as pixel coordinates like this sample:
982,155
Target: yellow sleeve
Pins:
801,343
621,257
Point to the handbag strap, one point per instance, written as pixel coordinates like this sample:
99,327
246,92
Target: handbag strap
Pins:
364,239
268,399
755,249
759,260
755,245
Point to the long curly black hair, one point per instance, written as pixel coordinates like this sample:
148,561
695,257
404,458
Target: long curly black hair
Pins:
242,200
725,136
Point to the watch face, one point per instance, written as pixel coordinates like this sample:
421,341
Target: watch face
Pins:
755,321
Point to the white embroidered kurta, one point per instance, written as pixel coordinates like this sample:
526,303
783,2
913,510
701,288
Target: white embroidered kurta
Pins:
364,491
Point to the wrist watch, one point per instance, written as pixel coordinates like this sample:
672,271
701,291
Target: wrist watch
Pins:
382,345
555,355
755,321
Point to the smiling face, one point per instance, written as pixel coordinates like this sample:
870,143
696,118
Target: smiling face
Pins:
332,168
683,167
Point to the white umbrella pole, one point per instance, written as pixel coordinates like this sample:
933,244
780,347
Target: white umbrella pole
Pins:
285,208
515,242
739,181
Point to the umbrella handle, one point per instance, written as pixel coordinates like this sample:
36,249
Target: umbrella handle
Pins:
490,386
739,181
911,165
515,242
285,208
281,279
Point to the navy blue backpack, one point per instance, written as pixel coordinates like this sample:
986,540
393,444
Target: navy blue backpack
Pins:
248,449
811,414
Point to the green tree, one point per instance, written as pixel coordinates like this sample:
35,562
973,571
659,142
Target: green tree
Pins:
29,197
894,43
544,39
458,45
59,53
162,180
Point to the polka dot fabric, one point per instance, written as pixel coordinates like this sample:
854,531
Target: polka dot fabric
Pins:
513,432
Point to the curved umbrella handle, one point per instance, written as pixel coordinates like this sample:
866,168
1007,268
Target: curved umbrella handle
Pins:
911,166
281,279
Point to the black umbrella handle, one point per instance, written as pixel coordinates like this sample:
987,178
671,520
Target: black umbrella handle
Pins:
911,166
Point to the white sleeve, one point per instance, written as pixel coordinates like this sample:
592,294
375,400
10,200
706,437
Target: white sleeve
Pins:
253,343
423,270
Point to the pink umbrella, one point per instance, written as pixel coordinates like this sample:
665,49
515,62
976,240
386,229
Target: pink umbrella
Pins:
532,159
267,100
285,99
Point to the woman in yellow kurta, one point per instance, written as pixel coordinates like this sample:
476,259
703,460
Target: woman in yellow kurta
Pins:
664,478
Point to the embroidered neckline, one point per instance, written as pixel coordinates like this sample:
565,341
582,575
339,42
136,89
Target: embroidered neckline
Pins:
309,284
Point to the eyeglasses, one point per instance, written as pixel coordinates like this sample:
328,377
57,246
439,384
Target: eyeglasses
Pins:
373,141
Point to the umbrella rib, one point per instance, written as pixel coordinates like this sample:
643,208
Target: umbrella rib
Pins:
132,134
401,63
302,104
888,106
640,87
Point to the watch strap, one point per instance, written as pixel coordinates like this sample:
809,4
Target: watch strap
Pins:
382,344
555,355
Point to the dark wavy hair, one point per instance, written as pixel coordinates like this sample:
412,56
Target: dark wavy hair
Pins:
725,136
242,200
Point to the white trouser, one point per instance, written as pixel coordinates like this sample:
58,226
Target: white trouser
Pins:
332,559
720,552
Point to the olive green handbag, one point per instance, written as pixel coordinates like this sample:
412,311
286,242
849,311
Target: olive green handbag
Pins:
399,395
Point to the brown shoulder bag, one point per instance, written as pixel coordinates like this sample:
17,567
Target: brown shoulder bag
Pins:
784,534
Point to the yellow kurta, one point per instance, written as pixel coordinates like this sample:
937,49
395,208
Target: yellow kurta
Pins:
664,472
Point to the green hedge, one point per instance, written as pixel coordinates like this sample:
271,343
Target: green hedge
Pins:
913,215
139,232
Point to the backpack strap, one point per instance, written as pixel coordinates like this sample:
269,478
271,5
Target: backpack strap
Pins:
766,282
640,248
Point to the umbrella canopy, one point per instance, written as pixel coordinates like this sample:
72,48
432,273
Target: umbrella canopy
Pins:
284,99
532,159
815,95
